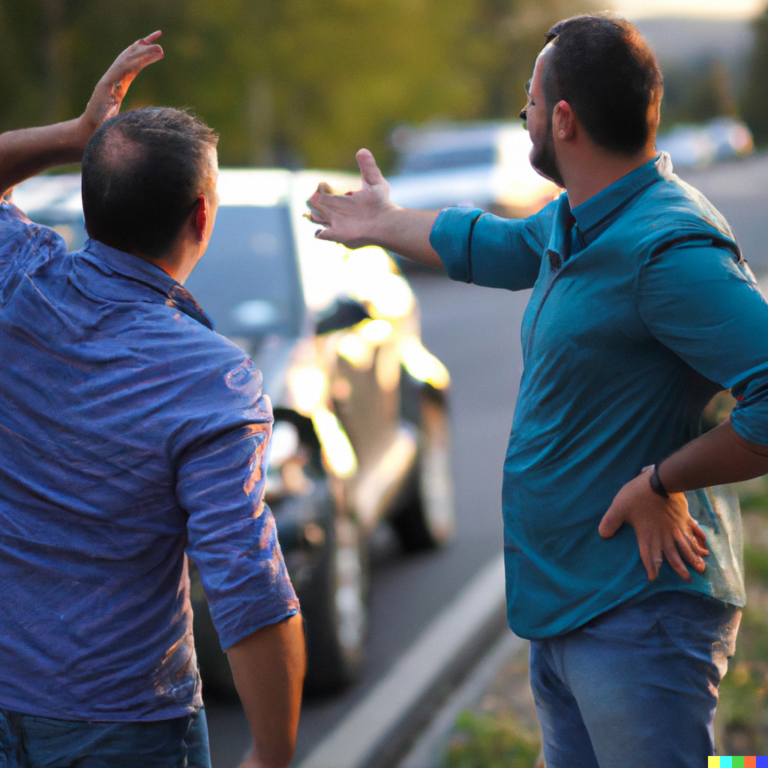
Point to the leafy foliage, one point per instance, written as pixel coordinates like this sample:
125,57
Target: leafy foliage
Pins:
489,741
741,725
284,81
755,96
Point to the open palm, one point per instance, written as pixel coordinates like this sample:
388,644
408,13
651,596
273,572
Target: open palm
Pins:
111,89
350,219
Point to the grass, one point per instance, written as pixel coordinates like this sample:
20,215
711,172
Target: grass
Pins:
741,725
492,740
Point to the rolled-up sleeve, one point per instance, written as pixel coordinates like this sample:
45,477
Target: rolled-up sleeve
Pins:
707,308
480,248
231,531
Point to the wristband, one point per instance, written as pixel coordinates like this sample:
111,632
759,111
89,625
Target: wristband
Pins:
656,485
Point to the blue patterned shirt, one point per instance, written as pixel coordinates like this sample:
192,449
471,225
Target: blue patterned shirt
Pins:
129,433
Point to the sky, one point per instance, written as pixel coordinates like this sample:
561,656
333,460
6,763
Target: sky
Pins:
733,9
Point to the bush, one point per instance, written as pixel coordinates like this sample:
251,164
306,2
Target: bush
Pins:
490,741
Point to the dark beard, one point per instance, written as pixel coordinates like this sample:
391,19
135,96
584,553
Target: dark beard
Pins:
544,161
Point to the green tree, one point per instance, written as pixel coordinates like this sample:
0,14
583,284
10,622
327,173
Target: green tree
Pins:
755,96
502,43
283,81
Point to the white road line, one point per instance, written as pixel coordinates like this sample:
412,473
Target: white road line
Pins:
428,750
355,739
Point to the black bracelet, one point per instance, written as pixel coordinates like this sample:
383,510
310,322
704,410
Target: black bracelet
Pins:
656,485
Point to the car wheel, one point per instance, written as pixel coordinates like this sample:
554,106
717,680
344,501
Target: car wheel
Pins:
335,608
428,519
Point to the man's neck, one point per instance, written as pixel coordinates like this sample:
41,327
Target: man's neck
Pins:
177,262
593,170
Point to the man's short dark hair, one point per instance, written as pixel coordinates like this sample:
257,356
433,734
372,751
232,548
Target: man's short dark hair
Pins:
142,173
609,75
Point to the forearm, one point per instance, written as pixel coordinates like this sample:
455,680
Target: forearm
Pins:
717,457
268,667
29,151
406,231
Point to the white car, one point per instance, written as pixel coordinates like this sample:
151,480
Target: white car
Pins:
361,428
697,146
479,164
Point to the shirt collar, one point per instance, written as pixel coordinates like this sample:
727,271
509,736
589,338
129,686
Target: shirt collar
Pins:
595,214
151,276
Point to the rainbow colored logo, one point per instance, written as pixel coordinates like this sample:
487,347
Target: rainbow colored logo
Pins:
737,762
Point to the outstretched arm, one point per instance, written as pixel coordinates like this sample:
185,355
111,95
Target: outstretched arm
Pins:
29,151
368,217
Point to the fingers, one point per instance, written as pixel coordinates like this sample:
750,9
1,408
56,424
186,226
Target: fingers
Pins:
685,546
137,56
674,548
672,554
698,547
368,168
149,39
611,522
325,234
316,214
698,532
651,558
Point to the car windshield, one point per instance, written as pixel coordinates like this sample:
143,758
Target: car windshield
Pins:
247,281
465,157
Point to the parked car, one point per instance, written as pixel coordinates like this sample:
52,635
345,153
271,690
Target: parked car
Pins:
361,427
479,164
697,146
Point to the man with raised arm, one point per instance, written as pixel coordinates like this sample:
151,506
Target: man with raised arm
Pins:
129,433
642,309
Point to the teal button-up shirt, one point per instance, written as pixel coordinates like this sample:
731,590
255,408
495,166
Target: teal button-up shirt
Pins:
642,309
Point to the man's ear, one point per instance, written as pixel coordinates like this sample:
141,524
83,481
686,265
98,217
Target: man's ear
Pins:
200,219
564,121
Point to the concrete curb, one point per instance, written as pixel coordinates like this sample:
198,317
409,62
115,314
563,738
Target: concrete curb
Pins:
428,749
378,731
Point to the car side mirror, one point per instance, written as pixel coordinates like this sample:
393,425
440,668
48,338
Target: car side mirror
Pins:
343,313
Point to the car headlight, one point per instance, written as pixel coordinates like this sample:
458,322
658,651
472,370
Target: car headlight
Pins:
286,462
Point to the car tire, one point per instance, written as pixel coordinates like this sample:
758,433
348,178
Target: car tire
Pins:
428,518
334,604
335,609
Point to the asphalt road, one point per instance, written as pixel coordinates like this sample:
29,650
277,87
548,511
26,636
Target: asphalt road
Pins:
475,331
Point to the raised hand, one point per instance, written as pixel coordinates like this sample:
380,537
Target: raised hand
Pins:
664,527
29,151
353,219
111,89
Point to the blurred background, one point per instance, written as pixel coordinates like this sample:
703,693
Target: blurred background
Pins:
433,88
303,83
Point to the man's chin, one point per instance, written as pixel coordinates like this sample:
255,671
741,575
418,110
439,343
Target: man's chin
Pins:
553,176
545,165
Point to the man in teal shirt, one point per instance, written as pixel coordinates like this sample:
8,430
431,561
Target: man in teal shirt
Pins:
642,309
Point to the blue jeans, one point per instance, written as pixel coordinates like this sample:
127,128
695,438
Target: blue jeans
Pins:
636,686
42,742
